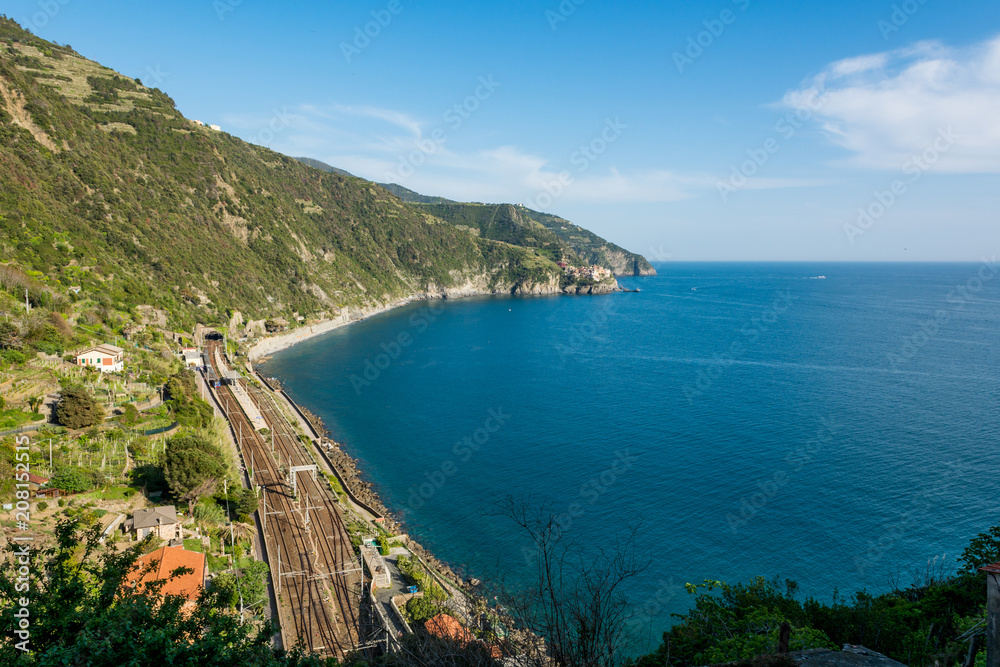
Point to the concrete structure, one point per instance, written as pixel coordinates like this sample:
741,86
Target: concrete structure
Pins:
107,358
159,565
159,521
376,567
192,356
109,523
992,614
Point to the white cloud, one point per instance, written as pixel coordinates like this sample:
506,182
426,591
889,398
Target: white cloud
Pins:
388,145
887,107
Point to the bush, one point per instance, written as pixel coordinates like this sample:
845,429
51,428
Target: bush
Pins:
422,608
42,506
130,414
72,479
13,356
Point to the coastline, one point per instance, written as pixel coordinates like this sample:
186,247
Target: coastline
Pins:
346,465
272,344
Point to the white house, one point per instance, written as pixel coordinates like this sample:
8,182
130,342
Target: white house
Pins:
107,358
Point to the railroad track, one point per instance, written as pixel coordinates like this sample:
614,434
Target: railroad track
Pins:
314,569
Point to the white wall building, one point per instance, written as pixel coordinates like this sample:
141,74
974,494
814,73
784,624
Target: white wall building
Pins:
107,358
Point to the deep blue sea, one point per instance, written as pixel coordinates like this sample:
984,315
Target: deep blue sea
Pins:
756,419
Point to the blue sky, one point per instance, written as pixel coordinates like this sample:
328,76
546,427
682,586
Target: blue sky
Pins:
699,130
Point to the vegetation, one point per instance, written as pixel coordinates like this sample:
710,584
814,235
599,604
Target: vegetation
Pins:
78,409
925,623
84,613
247,582
192,467
72,479
114,192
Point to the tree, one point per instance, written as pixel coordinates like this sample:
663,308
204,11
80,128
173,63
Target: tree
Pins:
575,601
83,612
78,409
10,336
34,402
71,479
983,549
130,414
423,608
192,467
250,581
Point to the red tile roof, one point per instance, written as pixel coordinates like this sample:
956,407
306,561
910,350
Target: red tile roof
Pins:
165,560
448,627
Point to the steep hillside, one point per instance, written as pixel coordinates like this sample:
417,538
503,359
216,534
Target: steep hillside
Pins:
106,186
592,248
516,224
411,197
323,166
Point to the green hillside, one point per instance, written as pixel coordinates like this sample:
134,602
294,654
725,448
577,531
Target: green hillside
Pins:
514,223
106,186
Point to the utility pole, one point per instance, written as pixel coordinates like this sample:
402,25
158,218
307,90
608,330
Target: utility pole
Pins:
27,304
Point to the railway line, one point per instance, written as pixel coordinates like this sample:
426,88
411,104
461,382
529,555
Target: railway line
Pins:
316,574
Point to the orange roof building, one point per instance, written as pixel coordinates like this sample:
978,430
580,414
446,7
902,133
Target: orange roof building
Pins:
447,627
161,563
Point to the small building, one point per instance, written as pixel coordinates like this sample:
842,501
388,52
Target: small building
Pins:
107,358
447,627
376,566
160,565
159,521
109,523
36,483
192,357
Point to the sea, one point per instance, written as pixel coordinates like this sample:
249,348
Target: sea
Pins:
835,424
